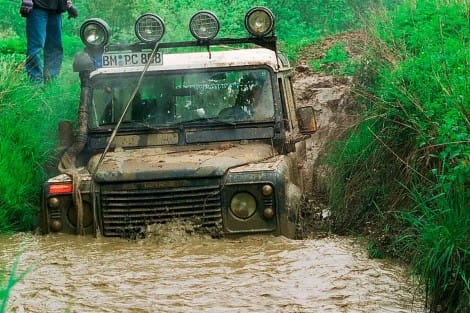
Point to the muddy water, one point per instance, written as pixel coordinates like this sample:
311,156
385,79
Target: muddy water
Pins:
194,274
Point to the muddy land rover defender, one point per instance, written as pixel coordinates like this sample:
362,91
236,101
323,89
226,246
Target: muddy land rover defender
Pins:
205,131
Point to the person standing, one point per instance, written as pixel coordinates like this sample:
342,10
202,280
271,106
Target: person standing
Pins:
44,34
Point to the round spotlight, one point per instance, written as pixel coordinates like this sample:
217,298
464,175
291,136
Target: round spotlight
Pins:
149,28
204,25
95,33
243,205
259,21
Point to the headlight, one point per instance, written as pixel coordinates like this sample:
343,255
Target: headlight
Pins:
95,33
259,21
243,205
149,28
204,25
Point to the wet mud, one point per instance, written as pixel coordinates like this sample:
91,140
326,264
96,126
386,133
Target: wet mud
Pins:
185,272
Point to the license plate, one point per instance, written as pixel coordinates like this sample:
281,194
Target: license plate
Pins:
131,59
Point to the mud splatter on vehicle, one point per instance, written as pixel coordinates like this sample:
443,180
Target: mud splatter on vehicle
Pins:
168,132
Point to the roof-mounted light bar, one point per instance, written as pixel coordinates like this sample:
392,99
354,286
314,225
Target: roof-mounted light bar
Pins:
149,28
95,33
259,21
204,25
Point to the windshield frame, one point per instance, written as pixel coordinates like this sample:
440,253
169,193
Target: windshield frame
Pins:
204,121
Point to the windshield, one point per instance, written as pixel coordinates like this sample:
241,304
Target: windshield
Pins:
169,99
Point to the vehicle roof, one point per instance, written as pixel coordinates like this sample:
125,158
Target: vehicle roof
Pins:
213,59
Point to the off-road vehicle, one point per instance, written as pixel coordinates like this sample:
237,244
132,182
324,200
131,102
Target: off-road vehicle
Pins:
205,131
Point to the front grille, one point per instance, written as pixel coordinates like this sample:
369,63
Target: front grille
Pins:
126,208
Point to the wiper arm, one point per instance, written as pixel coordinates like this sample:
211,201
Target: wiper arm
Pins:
129,125
210,120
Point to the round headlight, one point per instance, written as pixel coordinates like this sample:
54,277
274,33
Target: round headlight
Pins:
149,28
95,33
259,21
204,25
243,205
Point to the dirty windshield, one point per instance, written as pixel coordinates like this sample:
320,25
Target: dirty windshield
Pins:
169,99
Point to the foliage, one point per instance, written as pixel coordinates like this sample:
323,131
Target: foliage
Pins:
406,168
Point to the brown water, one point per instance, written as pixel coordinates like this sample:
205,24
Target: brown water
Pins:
194,274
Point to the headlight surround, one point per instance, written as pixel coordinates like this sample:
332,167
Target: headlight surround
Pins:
87,215
204,25
149,28
259,21
95,33
243,205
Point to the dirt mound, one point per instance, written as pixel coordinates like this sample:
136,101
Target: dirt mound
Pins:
336,111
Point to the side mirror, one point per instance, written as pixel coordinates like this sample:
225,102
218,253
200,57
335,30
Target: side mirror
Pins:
306,119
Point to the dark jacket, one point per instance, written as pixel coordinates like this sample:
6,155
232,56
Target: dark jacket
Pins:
51,5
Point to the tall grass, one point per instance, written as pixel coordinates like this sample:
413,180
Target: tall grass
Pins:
405,171
442,246
28,122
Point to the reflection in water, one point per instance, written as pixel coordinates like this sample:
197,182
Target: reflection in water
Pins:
250,274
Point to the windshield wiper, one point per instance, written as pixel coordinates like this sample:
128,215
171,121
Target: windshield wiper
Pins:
206,120
128,125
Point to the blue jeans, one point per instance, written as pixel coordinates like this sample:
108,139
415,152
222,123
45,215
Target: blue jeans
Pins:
43,32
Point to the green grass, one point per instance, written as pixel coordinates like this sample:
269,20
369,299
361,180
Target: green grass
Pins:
28,123
336,61
443,246
402,176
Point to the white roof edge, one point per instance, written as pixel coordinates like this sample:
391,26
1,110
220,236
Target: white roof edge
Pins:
213,59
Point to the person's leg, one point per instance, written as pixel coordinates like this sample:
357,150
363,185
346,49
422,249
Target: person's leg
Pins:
53,49
36,36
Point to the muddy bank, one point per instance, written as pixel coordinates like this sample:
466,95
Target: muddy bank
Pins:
336,111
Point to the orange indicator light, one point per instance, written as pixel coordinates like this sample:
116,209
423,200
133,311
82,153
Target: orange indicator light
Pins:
60,188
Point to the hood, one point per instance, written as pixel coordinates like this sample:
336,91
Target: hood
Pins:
169,162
